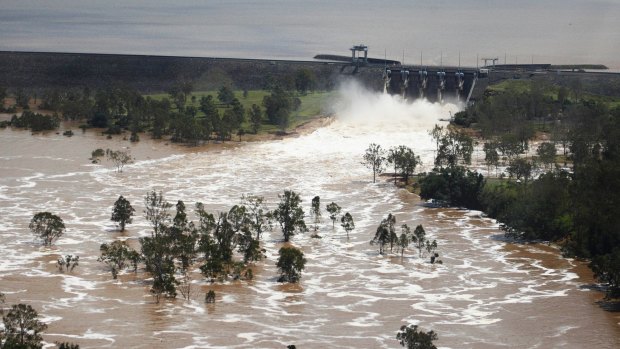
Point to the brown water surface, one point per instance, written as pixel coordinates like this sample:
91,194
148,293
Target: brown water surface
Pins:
489,293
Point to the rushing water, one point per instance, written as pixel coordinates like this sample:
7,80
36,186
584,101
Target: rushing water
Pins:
489,293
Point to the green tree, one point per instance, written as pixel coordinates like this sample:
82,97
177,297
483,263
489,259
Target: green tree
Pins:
491,156
347,223
315,212
546,153
334,211
258,215
454,148
520,168
385,233
68,263
374,159
291,263
22,329
157,250
47,227
122,212
411,337
117,255
256,118
419,238
290,215
304,80
278,107
607,269
120,158
404,161
225,95
404,239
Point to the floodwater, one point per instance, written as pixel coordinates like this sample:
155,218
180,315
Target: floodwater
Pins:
489,293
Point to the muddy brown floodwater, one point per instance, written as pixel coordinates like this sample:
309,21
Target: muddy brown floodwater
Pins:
488,293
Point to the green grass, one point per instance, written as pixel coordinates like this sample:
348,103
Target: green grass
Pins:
520,86
312,105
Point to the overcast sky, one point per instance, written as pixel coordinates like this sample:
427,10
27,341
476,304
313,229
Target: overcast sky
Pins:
569,31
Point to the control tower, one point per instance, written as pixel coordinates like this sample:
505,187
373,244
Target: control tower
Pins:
356,54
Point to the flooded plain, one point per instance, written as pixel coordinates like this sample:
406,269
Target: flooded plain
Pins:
489,293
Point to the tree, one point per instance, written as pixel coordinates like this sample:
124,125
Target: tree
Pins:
122,212
257,213
68,263
385,233
290,215
304,80
22,329
256,118
404,160
436,133
412,338
347,223
454,147
546,153
47,227
491,156
404,239
116,255
291,262
315,212
67,345
419,238
278,107
120,158
520,168
374,159
225,95
334,211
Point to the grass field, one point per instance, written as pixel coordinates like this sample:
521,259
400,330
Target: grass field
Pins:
312,105
520,86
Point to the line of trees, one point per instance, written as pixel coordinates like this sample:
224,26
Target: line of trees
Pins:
119,108
402,158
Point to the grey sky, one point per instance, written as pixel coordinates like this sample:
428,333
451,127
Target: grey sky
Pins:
548,31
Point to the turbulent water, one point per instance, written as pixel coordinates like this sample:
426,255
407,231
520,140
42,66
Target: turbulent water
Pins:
489,293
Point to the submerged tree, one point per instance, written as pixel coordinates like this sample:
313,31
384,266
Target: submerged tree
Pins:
68,263
116,255
47,226
22,329
290,215
385,233
347,223
334,211
315,212
374,159
290,263
419,238
120,158
411,337
122,212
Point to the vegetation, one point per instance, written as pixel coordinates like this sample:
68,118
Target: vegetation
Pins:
122,212
47,227
117,255
374,158
35,122
22,329
68,263
290,215
411,337
291,263
119,158
347,223
334,211
577,208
